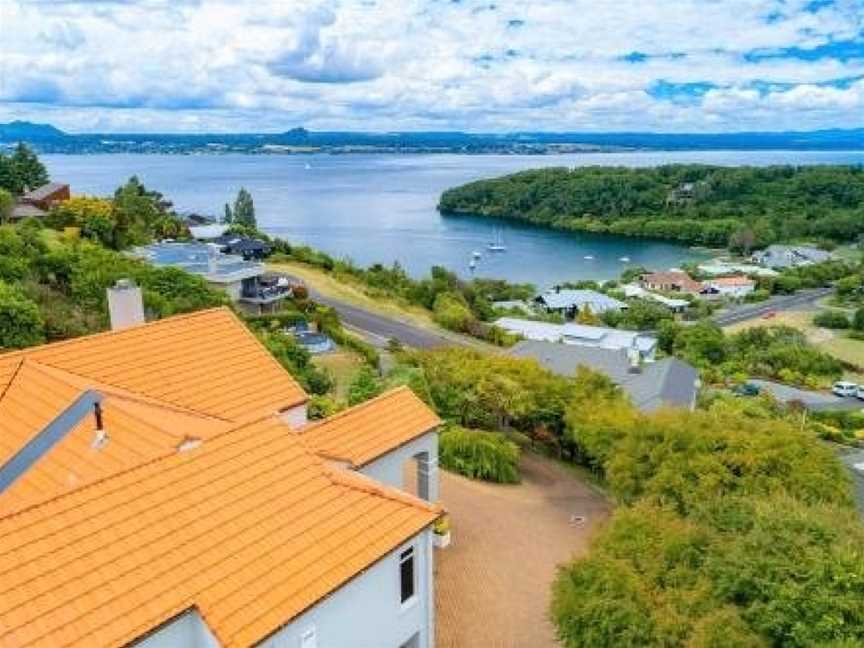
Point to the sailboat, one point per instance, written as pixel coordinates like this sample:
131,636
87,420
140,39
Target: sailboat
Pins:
498,244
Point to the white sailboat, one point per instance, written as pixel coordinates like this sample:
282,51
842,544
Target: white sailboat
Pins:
498,244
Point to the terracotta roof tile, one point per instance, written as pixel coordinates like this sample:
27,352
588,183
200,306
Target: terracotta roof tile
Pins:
363,433
250,528
206,361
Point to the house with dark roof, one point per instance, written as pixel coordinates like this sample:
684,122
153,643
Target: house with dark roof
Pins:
160,485
571,302
650,385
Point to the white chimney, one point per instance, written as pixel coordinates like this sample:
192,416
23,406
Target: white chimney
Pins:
125,304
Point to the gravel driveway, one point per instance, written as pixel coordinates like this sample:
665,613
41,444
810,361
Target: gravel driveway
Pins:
493,582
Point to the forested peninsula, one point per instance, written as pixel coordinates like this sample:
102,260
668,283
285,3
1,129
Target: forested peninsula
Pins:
739,207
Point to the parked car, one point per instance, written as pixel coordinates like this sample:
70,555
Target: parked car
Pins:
770,314
843,388
746,389
860,392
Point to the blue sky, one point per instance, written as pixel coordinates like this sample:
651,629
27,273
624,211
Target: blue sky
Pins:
376,65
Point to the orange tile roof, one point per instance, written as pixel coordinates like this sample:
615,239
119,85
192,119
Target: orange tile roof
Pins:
250,528
207,362
138,430
363,433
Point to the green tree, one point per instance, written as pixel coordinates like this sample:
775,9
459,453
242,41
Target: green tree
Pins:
243,212
364,386
7,202
135,213
21,325
30,173
858,320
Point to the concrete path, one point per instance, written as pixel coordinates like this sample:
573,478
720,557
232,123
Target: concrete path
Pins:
493,582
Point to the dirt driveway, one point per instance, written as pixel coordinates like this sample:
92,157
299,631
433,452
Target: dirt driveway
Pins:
493,582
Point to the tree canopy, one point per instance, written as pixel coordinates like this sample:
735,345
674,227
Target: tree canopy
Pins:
744,207
21,171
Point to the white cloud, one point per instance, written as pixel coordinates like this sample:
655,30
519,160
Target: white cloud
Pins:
169,65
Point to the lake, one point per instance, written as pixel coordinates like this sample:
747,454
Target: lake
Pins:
381,207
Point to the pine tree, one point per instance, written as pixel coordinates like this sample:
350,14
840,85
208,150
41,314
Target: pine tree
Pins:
244,210
30,172
227,216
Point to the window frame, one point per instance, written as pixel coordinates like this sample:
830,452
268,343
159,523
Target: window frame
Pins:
408,554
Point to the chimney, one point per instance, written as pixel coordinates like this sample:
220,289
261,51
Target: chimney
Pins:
125,304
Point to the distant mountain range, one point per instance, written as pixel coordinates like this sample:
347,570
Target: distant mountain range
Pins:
46,138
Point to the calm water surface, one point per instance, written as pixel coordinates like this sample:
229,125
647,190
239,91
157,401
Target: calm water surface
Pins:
381,208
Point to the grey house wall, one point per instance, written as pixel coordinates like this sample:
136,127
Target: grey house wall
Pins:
389,469
367,613
186,631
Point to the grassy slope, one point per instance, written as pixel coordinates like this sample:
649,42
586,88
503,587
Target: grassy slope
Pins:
832,342
351,291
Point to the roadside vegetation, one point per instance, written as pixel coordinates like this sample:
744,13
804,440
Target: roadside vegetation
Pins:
740,207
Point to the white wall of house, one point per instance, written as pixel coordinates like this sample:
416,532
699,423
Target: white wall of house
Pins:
390,469
188,630
733,291
368,612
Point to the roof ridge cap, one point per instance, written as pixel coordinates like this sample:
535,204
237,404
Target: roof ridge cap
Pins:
99,334
168,454
358,481
356,408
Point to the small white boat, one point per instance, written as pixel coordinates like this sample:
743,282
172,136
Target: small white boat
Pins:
624,259
588,257
472,265
476,254
308,166
498,244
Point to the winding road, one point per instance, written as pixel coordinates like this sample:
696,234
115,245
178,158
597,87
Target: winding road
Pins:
746,312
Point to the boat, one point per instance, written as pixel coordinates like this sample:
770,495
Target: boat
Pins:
476,254
624,259
472,264
588,257
498,244
308,166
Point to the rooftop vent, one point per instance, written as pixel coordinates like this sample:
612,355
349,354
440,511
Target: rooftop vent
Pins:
188,443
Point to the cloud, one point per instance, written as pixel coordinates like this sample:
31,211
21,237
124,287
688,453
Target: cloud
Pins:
221,65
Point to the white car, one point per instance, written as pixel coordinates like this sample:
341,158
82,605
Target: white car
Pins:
843,388
860,393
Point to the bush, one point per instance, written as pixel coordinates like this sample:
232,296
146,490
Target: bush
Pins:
479,455
831,319
757,296
21,324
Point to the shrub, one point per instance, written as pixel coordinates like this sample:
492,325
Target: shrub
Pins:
21,325
757,296
831,319
479,455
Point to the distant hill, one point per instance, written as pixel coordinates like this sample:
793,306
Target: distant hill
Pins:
48,139
24,130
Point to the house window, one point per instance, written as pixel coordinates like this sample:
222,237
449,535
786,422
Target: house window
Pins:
406,575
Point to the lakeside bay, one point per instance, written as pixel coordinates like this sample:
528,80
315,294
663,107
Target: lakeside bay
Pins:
381,208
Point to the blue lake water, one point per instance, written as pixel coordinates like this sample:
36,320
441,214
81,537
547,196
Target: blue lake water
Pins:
381,208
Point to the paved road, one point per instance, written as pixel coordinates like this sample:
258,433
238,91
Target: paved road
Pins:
779,303
378,329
